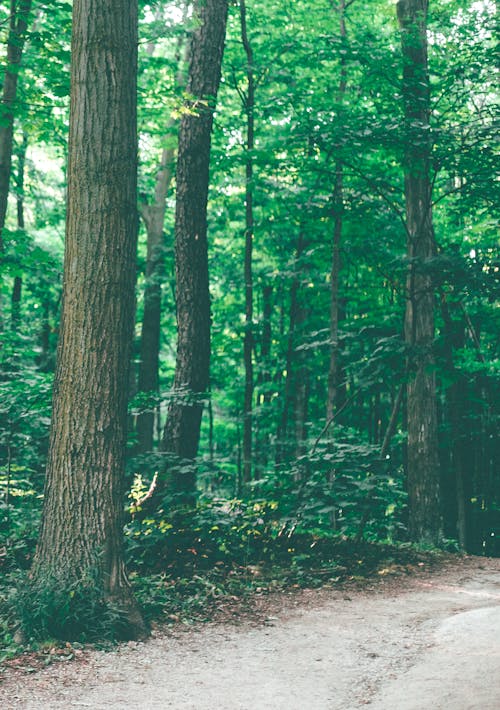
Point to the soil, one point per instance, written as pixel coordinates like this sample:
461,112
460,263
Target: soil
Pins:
425,641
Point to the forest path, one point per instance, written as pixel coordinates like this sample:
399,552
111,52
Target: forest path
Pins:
430,642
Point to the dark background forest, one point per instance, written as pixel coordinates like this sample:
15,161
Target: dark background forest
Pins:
340,318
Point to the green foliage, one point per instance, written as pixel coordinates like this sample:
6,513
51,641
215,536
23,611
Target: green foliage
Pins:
342,485
20,508
216,532
309,490
292,561
55,609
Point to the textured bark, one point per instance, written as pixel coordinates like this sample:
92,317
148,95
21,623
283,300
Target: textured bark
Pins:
82,520
19,14
182,430
422,457
248,343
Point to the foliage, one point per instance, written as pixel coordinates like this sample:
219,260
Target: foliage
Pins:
321,493
56,609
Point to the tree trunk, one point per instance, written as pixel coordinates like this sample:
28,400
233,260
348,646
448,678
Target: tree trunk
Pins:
459,477
338,208
264,379
18,24
81,533
265,349
154,217
249,339
423,460
291,428
15,314
182,429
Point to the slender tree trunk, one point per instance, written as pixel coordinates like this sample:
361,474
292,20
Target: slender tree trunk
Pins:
282,443
291,429
249,229
154,218
151,320
423,460
264,379
338,209
15,316
81,533
454,339
18,24
45,360
182,430
302,389
265,350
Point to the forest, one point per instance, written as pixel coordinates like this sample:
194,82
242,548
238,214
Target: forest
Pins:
249,300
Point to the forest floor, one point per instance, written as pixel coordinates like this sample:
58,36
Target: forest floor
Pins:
429,640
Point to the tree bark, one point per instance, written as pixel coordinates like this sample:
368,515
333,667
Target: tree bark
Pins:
248,343
81,533
422,461
182,429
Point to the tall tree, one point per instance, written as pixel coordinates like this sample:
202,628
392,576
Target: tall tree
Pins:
422,453
18,281
182,429
249,105
18,24
338,207
81,534
153,215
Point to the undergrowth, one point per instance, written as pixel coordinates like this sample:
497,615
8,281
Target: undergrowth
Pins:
188,566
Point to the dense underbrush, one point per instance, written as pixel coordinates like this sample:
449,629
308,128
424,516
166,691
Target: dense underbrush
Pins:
186,566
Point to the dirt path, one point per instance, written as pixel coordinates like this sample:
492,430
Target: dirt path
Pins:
425,643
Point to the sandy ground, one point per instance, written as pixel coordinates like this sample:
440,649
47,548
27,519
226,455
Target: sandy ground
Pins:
430,642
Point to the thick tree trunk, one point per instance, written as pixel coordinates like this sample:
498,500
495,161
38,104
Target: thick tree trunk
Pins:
81,533
248,339
18,24
182,430
423,460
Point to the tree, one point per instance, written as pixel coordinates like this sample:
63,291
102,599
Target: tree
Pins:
337,200
153,215
182,429
18,24
248,341
423,457
81,534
